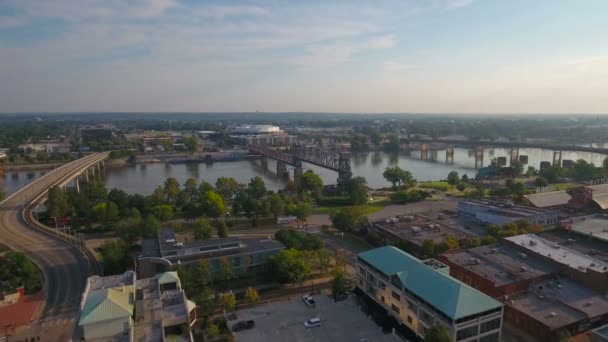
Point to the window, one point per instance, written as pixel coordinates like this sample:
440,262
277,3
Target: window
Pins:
425,317
382,299
395,295
466,333
409,319
490,338
410,304
490,325
395,308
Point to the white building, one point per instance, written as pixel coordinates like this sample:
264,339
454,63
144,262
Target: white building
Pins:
123,308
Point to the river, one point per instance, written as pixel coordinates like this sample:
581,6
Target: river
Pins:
143,178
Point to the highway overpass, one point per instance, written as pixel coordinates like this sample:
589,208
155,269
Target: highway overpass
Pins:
64,265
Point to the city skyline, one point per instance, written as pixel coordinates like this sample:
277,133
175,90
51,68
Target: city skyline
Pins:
436,56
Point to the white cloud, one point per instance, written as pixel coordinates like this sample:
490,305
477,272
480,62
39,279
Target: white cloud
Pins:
11,22
325,55
221,12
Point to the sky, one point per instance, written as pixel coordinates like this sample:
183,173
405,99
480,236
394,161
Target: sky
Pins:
394,56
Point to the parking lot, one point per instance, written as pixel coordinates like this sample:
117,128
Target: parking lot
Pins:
284,321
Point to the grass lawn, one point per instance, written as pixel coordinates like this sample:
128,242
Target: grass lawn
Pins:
563,186
437,185
370,208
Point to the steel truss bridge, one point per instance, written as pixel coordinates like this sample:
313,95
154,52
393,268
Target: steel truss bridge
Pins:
337,161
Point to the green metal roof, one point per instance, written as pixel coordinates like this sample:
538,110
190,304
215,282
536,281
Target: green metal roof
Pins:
168,277
450,296
105,305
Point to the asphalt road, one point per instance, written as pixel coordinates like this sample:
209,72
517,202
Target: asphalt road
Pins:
64,267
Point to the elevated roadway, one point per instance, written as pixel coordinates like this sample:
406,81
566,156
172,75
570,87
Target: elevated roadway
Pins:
65,266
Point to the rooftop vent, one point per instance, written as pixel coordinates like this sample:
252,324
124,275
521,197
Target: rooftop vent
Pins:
523,269
552,314
523,255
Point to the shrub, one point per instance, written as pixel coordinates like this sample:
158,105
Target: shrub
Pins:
403,197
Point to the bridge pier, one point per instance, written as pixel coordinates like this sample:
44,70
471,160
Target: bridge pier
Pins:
264,162
281,168
513,155
557,158
77,185
478,157
297,174
449,154
424,151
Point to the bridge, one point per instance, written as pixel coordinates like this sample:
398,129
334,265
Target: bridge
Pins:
64,261
337,161
514,144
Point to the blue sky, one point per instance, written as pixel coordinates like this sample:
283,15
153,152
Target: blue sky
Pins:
424,56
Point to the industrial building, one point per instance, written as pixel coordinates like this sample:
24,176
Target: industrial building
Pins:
593,226
549,200
413,230
124,308
502,212
246,255
420,294
261,135
547,288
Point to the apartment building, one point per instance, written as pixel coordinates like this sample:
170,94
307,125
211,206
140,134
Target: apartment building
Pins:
420,294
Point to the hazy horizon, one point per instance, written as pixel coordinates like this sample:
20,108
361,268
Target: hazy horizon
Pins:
410,57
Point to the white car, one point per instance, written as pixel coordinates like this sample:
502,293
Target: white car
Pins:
312,323
308,300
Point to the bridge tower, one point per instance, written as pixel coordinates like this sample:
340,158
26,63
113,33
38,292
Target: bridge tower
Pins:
264,162
449,154
478,157
297,171
557,158
344,171
513,155
281,168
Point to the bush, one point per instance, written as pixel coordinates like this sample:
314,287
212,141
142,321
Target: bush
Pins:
333,201
298,240
403,197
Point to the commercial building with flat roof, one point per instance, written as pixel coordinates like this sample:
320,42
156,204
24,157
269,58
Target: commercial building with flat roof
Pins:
170,250
584,268
497,270
549,199
594,226
124,308
500,213
420,294
413,230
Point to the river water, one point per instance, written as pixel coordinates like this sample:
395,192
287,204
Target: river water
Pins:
143,178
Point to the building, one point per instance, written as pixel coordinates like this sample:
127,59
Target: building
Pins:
124,308
261,135
497,270
500,213
413,230
549,199
170,250
420,294
594,226
547,287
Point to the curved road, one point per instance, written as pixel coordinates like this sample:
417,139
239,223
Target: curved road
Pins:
64,267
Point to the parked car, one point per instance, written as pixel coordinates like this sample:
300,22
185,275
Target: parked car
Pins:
312,323
308,300
243,325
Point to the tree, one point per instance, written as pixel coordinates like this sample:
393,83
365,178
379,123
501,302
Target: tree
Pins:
256,188
226,187
213,330
302,211
376,138
171,189
540,182
323,260
397,175
465,178
121,199
190,188
222,230
276,205
453,178
191,143
339,285
347,219
357,191
437,333
311,182
150,226
106,212
115,257
518,168
57,204
226,271
163,212
428,248
229,301
214,205
290,265
461,186
393,143
252,296
202,230
605,163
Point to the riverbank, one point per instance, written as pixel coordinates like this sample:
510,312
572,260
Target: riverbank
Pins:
32,166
